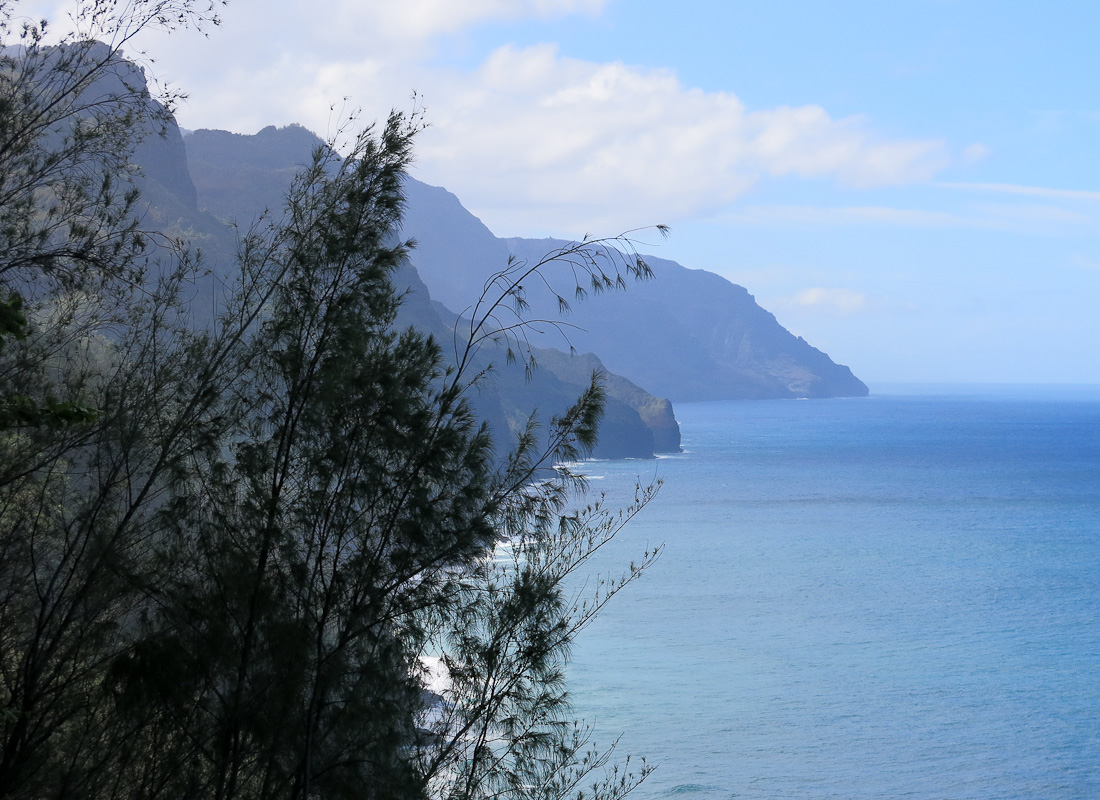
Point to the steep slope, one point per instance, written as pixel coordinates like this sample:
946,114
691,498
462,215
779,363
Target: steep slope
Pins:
687,335
655,412
693,335
635,423
238,177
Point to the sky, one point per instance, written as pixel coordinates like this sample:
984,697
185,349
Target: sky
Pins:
913,186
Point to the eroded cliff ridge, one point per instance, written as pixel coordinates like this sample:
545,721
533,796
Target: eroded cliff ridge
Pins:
240,177
687,335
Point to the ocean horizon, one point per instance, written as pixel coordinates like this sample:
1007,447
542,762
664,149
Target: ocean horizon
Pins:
890,596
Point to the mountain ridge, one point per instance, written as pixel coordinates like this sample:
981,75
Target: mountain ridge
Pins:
695,337
687,335
240,177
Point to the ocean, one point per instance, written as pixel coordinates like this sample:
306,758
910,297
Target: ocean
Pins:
886,597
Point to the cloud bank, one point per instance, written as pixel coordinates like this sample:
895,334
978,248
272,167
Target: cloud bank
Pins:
838,301
532,141
427,18
607,144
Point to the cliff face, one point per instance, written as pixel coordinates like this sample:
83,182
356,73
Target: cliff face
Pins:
239,177
655,412
193,189
693,335
635,423
687,335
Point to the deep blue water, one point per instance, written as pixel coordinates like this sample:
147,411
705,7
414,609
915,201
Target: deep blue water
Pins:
887,597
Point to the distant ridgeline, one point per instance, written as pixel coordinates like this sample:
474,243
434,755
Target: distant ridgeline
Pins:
687,335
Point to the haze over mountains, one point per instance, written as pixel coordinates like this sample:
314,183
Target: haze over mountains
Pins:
686,335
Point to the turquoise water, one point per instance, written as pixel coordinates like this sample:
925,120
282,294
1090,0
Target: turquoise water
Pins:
887,597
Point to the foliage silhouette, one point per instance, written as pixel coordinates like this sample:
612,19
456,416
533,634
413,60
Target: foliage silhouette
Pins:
229,555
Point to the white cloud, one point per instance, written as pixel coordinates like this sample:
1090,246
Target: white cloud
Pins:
1035,191
581,145
533,142
1083,262
1034,215
974,153
427,18
339,22
839,301
1031,217
807,142
785,216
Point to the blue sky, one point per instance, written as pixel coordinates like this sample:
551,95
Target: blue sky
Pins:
912,186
